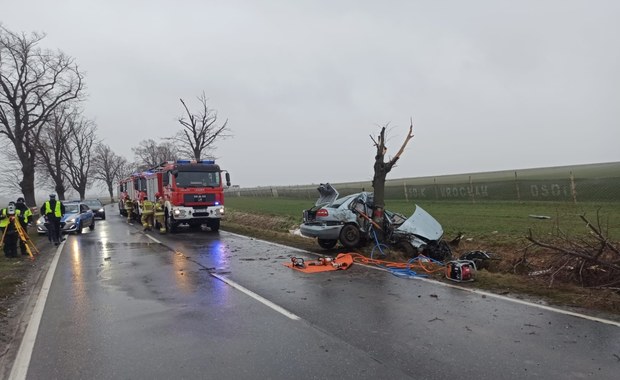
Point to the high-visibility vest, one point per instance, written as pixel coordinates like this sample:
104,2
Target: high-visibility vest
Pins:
5,218
48,209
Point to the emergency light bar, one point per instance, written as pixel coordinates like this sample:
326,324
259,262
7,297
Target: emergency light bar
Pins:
206,162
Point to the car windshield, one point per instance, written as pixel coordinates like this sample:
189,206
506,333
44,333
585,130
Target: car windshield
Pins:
72,208
198,179
93,204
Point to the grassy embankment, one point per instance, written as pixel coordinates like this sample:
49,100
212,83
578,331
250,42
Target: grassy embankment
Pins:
496,227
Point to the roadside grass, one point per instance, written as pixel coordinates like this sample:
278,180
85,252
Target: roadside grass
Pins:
496,227
13,273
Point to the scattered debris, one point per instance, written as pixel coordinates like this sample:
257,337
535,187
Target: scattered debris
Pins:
540,216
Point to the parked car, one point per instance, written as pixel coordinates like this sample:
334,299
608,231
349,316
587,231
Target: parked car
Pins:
348,220
97,206
77,216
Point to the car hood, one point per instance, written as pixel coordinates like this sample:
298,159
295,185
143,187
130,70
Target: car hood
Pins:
327,195
68,216
421,223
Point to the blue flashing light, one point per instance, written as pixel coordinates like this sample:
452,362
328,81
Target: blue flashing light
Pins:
183,161
217,203
208,162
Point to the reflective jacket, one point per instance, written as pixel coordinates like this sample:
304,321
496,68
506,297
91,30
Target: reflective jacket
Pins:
47,209
6,219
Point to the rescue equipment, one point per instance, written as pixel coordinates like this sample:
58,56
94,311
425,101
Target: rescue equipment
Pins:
461,270
322,264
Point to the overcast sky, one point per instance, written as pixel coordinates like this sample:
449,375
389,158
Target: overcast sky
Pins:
491,85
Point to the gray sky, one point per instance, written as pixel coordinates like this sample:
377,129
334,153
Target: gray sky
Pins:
491,85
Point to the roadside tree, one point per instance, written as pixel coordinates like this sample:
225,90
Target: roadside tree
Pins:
108,167
33,83
50,159
200,130
78,154
149,153
381,169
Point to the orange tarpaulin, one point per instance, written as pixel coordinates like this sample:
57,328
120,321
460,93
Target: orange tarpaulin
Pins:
323,264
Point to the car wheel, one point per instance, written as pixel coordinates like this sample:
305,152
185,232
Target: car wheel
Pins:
327,243
350,236
92,225
78,230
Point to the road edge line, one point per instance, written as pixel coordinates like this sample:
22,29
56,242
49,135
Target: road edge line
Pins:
476,291
19,370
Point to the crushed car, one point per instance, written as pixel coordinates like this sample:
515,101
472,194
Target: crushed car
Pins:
348,220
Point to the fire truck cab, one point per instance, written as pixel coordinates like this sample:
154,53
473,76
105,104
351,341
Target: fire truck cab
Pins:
193,192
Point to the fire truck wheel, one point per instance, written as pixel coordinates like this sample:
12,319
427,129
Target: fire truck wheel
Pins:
171,225
214,225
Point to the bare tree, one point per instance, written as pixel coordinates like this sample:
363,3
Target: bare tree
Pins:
150,153
108,167
78,154
50,159
381,169
33,83
200,130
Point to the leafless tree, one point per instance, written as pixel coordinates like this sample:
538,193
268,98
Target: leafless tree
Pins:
50,159
200,130
10,175
149,153
33,83
108,167
78,153
381,169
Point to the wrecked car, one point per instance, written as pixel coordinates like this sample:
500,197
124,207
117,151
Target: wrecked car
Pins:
348,220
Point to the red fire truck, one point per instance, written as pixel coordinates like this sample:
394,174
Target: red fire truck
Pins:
193,192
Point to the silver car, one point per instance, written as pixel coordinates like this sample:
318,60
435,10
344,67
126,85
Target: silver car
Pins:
348,220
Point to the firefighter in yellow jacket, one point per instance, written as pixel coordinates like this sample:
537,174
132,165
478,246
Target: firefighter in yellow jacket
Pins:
159,213
147,214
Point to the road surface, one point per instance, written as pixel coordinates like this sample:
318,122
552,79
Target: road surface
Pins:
124,304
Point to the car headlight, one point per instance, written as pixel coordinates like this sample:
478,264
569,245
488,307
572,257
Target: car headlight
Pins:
101,210
71,220
40,221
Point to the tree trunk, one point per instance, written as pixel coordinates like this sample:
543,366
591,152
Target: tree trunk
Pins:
60,191
111,191
27,182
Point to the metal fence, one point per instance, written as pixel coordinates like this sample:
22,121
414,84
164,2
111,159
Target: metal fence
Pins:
579,183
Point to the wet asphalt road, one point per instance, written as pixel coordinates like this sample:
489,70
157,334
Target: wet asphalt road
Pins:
122,306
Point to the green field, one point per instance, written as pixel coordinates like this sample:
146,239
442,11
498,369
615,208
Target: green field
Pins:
500,222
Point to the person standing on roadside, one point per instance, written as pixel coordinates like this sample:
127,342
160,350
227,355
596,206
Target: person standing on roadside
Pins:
24,220
53,211
8,218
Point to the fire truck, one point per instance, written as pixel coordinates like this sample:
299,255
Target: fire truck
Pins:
193,192
132,187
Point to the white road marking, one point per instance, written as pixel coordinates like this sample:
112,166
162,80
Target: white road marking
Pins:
22,360
476,291
260,299
155,240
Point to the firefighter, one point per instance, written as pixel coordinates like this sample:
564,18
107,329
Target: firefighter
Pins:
53,211
25,219
160,213
129,209
9,233
147,214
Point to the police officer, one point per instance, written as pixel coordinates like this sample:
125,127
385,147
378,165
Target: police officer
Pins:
9,233
53,211
24,220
